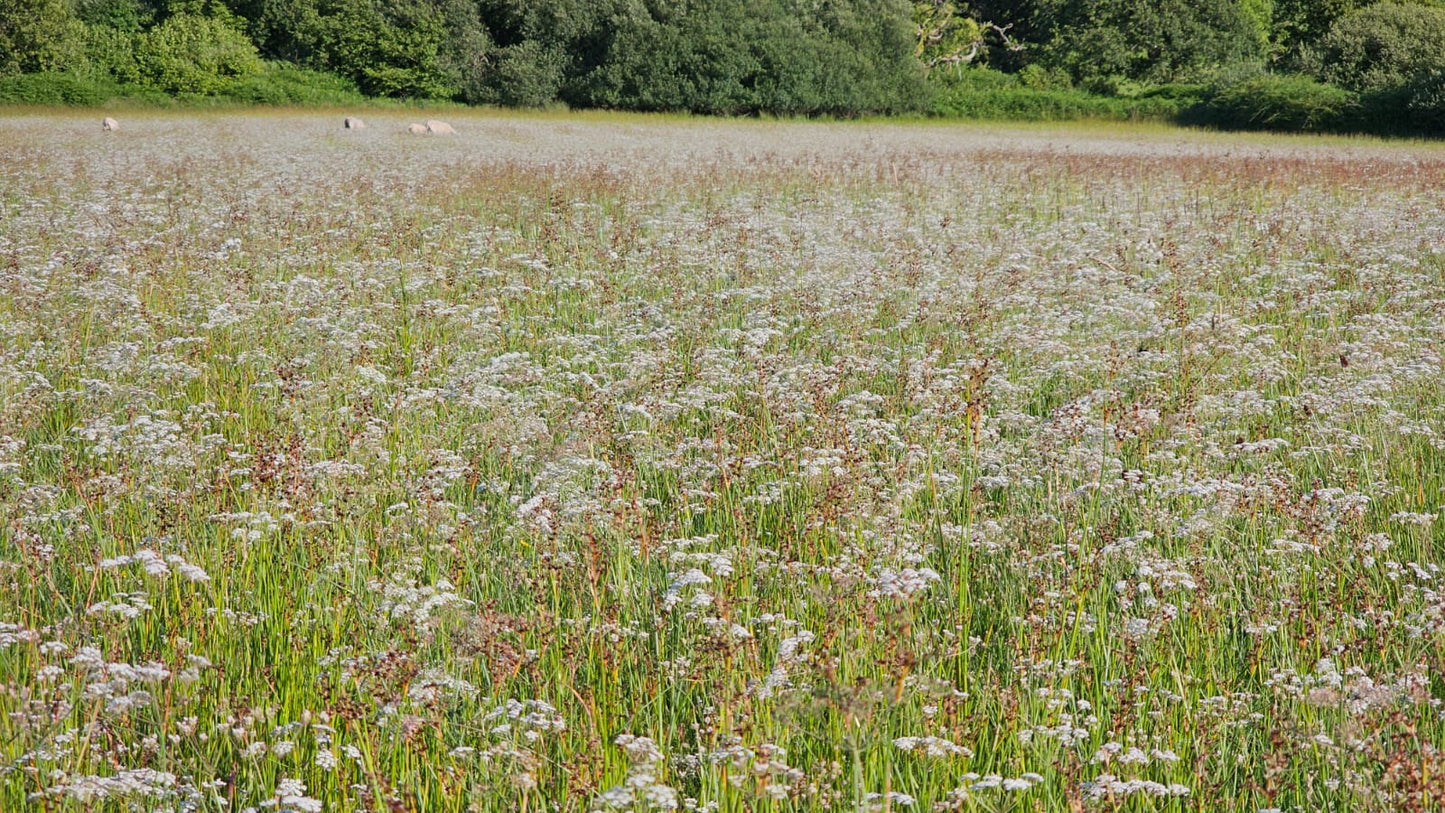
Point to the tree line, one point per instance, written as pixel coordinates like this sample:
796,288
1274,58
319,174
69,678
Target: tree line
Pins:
1290,63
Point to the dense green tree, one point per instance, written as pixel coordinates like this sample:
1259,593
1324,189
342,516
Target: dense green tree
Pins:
1298,24
189,53
1383,46
281,29
466,48
524,74
214,9
1259,14
38,35
126,16
1425,101
1149,40
546,50
403,48
863,53
387,49
1281,102
113,30
704,57
841,57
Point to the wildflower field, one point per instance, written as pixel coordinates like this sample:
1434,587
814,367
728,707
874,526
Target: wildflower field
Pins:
602,463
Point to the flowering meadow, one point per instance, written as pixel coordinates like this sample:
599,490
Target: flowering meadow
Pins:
595,463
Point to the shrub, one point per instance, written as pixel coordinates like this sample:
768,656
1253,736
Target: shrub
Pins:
1383,46
1279,103
1425,102
1184,94
972,78
1037,77
53,88
191,54
1024,104
282,84
988,94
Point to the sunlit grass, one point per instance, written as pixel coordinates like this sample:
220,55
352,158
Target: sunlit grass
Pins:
594,462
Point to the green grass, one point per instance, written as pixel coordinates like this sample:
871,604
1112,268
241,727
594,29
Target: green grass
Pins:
773,443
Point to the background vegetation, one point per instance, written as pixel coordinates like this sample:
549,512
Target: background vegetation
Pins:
1280,64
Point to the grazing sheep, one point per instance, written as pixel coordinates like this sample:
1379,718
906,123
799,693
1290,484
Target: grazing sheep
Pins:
354,123
417,129
439,128
109,124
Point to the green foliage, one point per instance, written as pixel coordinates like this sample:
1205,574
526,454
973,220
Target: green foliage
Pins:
1260,16
280,29
1037,77
672,64
1414,107
193,54
986,94
1273,102
282,84
732,56
53,89
1425,102
111,53
862,48
392,49
1384,46
403,49
1064,58
38,35
1299,24
466,48
947,36
127,16
1149,40
550,50
975,78
277,84
525,74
